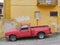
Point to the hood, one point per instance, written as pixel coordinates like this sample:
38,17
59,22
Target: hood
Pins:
11,30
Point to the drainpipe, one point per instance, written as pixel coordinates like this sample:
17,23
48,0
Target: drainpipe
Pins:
37,21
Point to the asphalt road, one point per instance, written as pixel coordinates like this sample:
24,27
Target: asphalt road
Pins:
49,40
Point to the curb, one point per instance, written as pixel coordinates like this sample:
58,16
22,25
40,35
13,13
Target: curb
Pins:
2,38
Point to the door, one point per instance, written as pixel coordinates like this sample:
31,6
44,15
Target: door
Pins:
53,20
25,31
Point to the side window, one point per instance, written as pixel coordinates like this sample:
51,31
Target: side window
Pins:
24,27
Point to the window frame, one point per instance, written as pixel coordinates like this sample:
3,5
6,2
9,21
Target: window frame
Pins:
37,14
1,11
52,13
24,28
48,1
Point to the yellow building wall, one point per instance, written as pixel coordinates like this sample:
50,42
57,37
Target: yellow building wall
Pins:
23,2
16,8
17,11
7,9
1,29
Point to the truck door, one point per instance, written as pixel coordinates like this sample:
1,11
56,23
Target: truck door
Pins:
25,31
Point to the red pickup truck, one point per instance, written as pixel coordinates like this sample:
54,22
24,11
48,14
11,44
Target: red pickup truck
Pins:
27,31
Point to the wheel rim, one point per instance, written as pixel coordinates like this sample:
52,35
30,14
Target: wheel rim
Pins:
12,38
41,36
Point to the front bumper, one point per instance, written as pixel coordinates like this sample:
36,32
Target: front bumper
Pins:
7,37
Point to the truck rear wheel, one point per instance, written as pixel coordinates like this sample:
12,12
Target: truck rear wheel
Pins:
12,38
41,35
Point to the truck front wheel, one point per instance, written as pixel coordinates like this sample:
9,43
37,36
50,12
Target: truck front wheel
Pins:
12,38
41,35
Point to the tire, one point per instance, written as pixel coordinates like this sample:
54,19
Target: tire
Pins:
41,35
12,38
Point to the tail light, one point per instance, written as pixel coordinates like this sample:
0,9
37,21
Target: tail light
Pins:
50,30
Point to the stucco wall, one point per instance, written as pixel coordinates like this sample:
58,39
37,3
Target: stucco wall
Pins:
26,8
